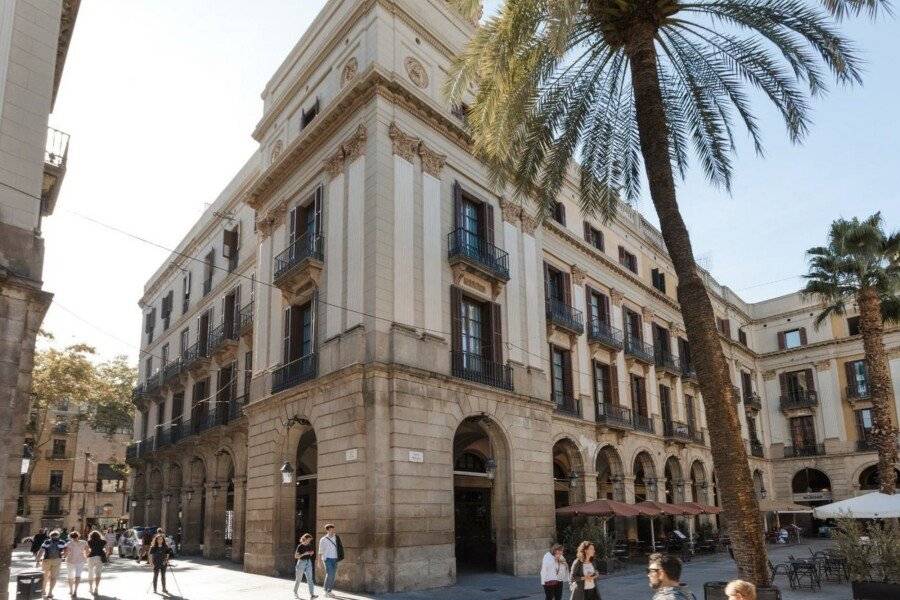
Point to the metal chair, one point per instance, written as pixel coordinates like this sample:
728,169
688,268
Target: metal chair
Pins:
805,575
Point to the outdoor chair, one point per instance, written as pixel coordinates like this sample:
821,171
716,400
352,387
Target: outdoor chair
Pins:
833,569
780,569
805,575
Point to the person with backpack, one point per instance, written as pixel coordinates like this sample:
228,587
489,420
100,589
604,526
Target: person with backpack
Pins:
49,558
332,552
39,538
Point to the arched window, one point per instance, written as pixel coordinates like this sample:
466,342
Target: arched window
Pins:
869,480
810,480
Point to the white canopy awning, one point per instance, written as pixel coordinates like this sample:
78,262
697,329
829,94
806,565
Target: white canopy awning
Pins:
873,505
782,506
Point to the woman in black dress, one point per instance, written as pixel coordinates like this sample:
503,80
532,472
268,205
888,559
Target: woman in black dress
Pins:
159,559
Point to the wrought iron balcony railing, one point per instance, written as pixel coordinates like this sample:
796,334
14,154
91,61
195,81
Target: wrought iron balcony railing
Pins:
676,430
804,450
221,333
688,371
469,247
295,372
305,247
172,370
643,423
756,449
178,430
475,367
639,350
614,415
605,334
562,315
799,399
697,435
858,391
245,318
665,361
866,444
752,400
196,353
163,436
134,450
567,405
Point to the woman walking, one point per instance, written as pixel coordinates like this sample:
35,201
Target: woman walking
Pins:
584,575
306,558
554,571
97,554
158,557
76,558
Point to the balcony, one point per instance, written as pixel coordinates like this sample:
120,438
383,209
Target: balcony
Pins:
298,268
179,430
295,372
197,355
613,416
639,351
676,431
223,338
858,392
475,367
163,436
605,335
134,451
752,401
472,252
61,428
563,316
756,449
56,154
688,372
245,319
736,394
805,450
568,406
667,363
139,394
643,423
799,399
866,444
171,371
697,435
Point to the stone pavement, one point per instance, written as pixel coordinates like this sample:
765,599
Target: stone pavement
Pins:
200,579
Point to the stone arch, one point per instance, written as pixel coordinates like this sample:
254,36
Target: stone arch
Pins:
808,480
481,463
568,472
643,470
759,485
194,504
673,477
610,474
699,483
869,480
172,501
297,500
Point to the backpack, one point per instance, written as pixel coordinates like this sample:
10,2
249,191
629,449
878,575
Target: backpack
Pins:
340,549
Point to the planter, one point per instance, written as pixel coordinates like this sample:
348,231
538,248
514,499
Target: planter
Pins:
715,590
875,590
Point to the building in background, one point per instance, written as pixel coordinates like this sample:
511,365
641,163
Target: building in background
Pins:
34,41
361,331
77,477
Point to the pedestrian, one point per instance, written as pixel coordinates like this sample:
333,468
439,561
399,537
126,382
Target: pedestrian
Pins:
49,558
158,556
740,590
64,534
306,559
664,573
583,576
554,571
110,542
39,538
76,559
97,554
331,550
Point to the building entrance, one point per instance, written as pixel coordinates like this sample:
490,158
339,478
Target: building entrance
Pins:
475,549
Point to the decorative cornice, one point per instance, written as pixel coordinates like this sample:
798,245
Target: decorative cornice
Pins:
823,365
616,296
648,313
578,275
356,145
66,23
416,72
403,145
351,68
529,223
510,211
432,162
334,164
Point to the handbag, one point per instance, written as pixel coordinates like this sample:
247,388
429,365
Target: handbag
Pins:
552,584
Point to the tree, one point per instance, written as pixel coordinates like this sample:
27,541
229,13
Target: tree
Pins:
621,84
861,265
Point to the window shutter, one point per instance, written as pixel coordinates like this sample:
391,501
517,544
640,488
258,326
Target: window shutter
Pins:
726,328
567,288
589,307
587,233
567,375
655,331
781,341
621,255
488,223
455,323
457,205
639,325
293,222
614,385
803,336
497,334
810,380
850,374
546,281
604,308
782,383
286,336
317,204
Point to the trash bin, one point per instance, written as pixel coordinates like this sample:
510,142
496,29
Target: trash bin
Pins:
29,585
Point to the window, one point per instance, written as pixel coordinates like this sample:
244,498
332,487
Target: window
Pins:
746,384
633,326
461,112
477,338
177,407
59,448
560,376
248,374
603,386
164,355
185,291
684,353
724,327
796,384
751,429
470,329
297,338
661,344
209,264
56,481
148,367
598,307
628,260
689,414
305,223
803,432
109,480
185,340
742,337
199,404
593,236
149,324
54,505
559,213
864,424
853,326
307,116
556,284
665,403
793,338
639,395
160,414
857,378
230,244
145,418
166,309
659,280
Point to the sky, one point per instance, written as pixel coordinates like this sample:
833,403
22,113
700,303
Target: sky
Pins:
160,97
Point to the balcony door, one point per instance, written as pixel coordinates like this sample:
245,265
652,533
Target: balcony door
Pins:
305,222
203,332
472,326
665,403
633,327
661,340
796,384
230,307
598,307
803,432
556,285
603,386
298,339
638,395
473,218
858,377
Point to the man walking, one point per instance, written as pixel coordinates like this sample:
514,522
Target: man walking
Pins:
39,538
332,552
49,557
664,573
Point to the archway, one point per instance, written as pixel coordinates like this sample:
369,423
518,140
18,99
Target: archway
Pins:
568,470
220,524
869,479
674,481
138,499
194,513
173,521
699,485
645,483
811,487
610,475
306,484
154,499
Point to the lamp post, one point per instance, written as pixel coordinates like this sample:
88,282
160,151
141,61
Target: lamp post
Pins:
215,487
287,473
190,494
490,467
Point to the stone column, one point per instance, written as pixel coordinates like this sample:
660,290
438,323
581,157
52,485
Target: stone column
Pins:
334,245
263,300
831,417
214,521
534,294
583,354
432,239
404,149
631,523
191,521
240,509
618,321
355,158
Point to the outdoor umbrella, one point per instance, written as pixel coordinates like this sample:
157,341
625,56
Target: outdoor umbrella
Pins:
600,508
696,508
652,508
873,505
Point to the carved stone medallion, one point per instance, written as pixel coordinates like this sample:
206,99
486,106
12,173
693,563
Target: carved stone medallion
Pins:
349,72
416,71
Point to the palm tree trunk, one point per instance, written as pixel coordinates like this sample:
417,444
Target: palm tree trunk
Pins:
884,434
733,476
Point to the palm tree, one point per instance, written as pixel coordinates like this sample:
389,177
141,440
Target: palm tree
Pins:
618,83
861,265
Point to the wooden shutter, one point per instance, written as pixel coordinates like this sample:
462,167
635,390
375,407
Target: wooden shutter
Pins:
639,325
656,336
621,255
457,205
546,281
726,328
810,380
782,383
589,305
317,208
567,375
567,288
614,384
455,323
293,224
587,233
604,309
803,336
781,341
496,333
229,242
286,336
850,374
488,211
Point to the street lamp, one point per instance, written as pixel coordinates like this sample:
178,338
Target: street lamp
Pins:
763,493
490,466
167,497
287,473
190,494
573,480
215,489
133,504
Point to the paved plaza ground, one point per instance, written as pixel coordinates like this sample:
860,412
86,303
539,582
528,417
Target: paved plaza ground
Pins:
200,579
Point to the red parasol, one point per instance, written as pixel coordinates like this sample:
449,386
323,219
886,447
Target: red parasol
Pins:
663,508
601,508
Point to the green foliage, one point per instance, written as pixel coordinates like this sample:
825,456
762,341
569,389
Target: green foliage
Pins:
872,550
586,528
859,255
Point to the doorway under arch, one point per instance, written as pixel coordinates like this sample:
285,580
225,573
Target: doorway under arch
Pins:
568,469
674,481
699,484
610,475
306,484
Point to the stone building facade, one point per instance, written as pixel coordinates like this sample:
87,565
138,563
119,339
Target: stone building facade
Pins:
34,40
360,330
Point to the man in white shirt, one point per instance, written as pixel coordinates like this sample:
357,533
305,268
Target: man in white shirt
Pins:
331,551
